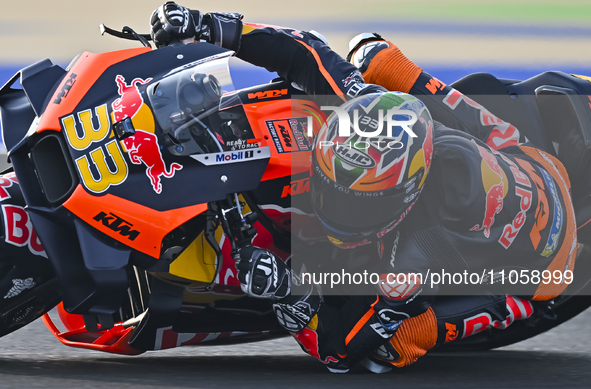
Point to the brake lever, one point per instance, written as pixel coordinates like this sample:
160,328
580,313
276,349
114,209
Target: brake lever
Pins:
127,33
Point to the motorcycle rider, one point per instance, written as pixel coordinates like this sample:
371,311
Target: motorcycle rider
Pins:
462,162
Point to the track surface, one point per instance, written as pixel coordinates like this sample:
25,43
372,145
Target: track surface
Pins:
32,358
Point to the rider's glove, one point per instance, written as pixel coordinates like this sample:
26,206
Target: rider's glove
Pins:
173,21
262,275
295,312
223,29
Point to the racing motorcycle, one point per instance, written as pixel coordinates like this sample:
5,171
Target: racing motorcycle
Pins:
137,175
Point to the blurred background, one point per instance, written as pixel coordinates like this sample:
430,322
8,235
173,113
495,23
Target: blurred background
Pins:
513,39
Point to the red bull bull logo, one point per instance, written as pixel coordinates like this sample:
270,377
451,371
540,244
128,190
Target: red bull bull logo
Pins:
130,101
494,181
143,148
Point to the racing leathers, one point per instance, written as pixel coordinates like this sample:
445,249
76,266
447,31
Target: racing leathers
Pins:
492,203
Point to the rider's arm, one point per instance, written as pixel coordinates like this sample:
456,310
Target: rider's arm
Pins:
303,58
297,56
456,110
338,331
390,68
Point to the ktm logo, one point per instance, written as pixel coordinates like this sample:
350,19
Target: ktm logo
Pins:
117,224
268,94
452,332
285,135
434,85
296,187
65,89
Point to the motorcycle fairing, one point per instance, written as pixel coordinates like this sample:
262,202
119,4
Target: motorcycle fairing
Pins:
88,68
86,288
279,112
28,287
281,102
89,285
138,226
18,107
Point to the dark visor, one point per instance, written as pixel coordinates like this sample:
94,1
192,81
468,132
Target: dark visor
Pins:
353,211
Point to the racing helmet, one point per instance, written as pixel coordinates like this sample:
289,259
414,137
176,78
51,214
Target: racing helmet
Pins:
369,166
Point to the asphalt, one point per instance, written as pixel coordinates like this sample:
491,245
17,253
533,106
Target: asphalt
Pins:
32,358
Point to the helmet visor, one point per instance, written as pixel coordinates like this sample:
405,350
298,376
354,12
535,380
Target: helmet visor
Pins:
351,211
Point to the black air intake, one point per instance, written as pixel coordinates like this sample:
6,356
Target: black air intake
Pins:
55,171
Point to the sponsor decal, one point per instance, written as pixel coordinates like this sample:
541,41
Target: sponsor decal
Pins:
267,94
541,214
85,128
19,286
394,248
517,308
452,332
495,185
19,231
6,181
511,230
556,226
117,224
103,166
435,85
70,81
396,223
131,99
143,147
290,135
353,156
233,156
296,187
242,144
502,135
